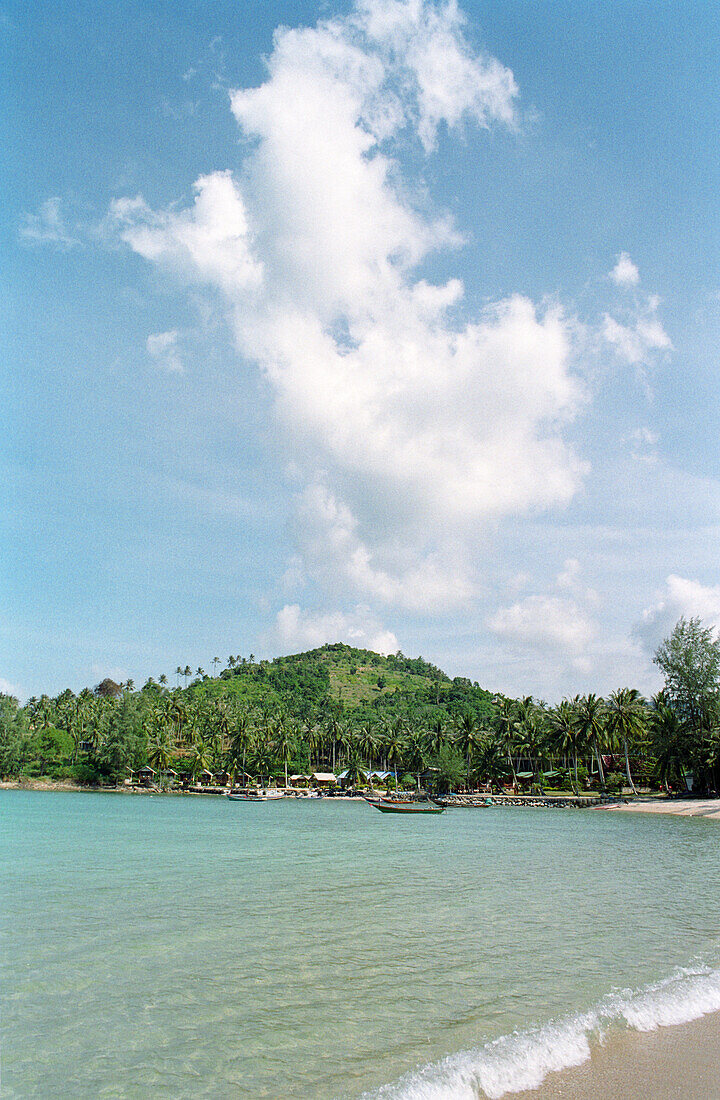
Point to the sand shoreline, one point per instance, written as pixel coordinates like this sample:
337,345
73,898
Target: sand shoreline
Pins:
665,1064
679,807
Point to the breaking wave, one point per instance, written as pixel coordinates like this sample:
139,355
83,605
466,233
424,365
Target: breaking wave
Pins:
523,1059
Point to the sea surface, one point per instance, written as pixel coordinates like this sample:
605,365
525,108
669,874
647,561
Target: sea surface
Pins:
191,947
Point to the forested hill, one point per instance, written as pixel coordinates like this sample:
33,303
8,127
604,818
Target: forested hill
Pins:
340,679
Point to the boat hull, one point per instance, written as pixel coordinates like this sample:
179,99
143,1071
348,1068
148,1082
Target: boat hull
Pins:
389,807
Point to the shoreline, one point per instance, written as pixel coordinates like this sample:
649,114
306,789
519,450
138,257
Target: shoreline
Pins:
681,807
686,807
678,807
669,1062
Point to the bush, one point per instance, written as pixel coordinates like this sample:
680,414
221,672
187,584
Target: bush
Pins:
85,774
614,782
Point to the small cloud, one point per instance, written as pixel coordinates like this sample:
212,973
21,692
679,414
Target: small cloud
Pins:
625,273
562,623
635,342
162,347
539,622
297,629
643,444
6,688
679,598
48,226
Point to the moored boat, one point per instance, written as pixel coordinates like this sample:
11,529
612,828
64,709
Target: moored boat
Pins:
257,795
404,806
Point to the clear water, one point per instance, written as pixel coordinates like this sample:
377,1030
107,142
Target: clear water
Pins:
196,947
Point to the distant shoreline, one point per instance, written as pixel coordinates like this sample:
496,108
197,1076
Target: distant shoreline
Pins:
687,807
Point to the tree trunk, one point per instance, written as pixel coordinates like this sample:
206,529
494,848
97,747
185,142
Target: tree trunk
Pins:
601,770
627,767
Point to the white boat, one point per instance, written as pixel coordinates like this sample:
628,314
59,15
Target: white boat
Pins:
259,795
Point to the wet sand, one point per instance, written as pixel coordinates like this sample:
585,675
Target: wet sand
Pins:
668,1064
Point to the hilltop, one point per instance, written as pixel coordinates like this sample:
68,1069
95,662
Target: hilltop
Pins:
341,678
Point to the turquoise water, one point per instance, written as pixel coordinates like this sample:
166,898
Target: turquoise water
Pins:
196,947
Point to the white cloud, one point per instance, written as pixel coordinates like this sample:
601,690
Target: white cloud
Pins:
333,550
625,273
209,241
48,226
162,347
545,621
427,42
296,629
635,342
411,420
6,688
643,443
561,623
679,598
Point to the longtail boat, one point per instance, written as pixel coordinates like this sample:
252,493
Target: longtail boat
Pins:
404,806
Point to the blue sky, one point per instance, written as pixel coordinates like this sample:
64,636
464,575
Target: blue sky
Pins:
395,326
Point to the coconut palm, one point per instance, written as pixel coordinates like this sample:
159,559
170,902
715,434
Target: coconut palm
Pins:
592,724
469,738
159,755
283,741
565,733
530,732
437,735
627,719
505,717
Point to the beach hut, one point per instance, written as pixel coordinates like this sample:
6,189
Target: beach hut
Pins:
146,776
324,779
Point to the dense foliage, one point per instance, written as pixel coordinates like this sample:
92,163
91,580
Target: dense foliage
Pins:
342,708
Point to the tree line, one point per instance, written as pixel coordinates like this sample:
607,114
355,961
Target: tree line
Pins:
263,720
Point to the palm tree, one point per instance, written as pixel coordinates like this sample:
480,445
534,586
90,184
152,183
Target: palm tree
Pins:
566,734
469,738
159,755
200,758
240,739
505,720
187,671
591,716
285,740
369,745
216,662
669,741
437,735
627,716
395,744
530,732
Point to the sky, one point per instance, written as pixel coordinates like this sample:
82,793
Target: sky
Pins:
390,322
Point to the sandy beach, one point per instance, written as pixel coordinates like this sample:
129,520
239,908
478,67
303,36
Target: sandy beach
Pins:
680,807
665,1064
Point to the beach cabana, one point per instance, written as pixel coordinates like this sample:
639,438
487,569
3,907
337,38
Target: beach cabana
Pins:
324,779
146,776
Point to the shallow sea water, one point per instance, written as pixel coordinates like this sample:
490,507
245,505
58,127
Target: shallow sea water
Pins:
189,947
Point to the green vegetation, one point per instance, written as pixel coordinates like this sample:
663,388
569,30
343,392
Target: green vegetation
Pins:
338,708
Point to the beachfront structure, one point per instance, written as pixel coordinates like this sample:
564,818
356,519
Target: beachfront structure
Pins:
323,779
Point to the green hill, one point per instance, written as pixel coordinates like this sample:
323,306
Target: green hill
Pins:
340,678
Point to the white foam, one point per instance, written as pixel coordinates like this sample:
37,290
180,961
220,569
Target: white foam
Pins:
522,1060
